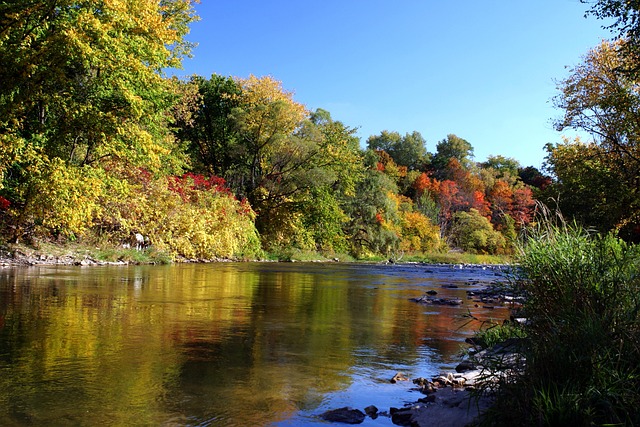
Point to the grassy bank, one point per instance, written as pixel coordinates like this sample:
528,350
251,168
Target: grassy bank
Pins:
109,253
583,333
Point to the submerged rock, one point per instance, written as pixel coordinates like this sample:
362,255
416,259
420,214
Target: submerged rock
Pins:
437,301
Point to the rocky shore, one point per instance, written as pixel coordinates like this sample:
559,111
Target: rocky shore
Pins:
22,259
452,399
34,257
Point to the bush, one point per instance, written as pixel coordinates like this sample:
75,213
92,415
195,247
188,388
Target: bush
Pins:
474,233
51,197
189,216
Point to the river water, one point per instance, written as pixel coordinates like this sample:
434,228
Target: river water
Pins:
225,344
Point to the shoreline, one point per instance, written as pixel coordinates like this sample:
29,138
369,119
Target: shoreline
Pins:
453,399
19,258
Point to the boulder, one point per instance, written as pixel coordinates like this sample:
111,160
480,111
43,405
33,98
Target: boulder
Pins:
344,415
372,411
399,376
401,417
465,365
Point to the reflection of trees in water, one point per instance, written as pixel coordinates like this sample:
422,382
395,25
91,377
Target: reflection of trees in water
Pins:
199,342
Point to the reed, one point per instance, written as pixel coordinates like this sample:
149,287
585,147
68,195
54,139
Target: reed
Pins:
583,309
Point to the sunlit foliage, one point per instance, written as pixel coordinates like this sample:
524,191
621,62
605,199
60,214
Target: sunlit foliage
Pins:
600,98
473,233
97,143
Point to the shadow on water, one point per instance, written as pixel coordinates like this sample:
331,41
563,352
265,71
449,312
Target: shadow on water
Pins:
223,344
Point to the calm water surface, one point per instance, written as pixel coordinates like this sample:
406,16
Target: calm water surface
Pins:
232,344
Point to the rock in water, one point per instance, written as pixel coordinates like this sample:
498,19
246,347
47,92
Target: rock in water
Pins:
372,411
401,417
344,415
399,377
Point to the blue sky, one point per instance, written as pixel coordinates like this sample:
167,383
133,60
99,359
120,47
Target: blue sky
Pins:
484,70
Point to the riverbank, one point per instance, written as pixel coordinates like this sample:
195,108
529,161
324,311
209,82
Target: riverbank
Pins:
47,253
457,398
452,399
460,398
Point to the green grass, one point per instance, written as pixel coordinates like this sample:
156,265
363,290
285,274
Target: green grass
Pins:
583,311
458,258
133,256
298,255
498,333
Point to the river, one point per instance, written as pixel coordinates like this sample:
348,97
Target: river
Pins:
224,344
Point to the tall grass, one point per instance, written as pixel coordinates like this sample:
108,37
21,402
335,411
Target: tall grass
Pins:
583,311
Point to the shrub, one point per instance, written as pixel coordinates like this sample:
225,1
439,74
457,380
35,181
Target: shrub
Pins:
61,199
474,233
189,216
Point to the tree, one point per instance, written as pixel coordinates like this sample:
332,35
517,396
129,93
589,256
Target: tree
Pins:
589,190
209,131
452,147
523,205
474,233
471,187
408,150
82,86
506,168
532,176
265,119
306,192
415,231
599,99
626,25
371,211
605,103
82,80
501,198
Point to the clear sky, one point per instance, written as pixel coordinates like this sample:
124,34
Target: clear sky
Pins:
485,70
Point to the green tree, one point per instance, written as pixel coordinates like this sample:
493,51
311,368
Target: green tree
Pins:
408,150
209,131
587,189
506,168
370,210
474,233
453,147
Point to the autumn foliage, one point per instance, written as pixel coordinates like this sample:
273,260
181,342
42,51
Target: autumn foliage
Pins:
97,144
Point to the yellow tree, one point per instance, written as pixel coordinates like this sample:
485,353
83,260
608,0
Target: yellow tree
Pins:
603,99
82,82
266,119
270,160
